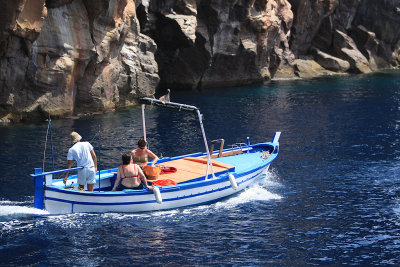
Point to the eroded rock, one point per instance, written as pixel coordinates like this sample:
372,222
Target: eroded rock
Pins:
64,57
330,62
346,48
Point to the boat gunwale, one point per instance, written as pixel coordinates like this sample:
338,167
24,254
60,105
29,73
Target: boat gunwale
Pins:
171,188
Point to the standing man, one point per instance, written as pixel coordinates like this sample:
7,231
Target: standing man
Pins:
84,155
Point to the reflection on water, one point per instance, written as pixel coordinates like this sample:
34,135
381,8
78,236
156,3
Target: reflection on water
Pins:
331,197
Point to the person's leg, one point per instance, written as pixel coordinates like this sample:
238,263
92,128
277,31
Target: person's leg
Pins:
81,179
90,187
91,178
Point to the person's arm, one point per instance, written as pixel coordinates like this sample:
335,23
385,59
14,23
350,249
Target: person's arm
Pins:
117,180
94,157
133,152
144,180
69,165
155,158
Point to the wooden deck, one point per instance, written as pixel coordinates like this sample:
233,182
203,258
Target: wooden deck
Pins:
191,168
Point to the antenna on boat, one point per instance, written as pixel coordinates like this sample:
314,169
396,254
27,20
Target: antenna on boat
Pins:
144,122
99,165
51,142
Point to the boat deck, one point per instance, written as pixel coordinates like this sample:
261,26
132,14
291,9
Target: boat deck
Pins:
191,168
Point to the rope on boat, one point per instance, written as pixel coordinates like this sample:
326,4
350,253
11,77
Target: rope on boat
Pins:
45,146
52,154
95,135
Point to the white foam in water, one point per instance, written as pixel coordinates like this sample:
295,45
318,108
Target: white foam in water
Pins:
8,202
20,210
254,193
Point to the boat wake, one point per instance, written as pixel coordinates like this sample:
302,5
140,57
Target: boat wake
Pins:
256,192
17,216
19,211
11,210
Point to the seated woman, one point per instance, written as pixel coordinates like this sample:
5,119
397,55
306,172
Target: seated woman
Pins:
128,174
141,153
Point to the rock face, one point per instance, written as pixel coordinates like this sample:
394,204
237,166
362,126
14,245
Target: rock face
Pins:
78,56
208,43
217,42
68,57
365,33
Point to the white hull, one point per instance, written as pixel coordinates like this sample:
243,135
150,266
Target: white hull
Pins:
58,201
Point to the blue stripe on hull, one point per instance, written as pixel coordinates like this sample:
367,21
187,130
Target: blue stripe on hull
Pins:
154,201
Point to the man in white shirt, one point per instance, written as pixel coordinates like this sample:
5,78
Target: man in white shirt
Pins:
84,155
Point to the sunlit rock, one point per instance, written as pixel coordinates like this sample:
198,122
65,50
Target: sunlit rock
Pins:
330,62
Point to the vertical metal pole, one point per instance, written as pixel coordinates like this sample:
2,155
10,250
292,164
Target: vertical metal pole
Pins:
99,165
209,162
39,189
144,123
51,142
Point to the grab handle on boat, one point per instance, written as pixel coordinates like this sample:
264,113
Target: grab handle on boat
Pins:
233,182
157,194
221,147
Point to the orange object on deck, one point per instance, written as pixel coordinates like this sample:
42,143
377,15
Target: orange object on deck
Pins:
163,182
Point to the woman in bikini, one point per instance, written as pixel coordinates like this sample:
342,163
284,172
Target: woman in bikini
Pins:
130,176
141,153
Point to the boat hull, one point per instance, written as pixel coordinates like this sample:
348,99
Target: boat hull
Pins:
60,201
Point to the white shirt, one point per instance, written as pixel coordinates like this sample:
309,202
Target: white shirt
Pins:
80,152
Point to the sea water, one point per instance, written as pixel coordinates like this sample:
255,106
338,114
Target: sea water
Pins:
332,197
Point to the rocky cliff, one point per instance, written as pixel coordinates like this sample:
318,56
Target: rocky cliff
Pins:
77,56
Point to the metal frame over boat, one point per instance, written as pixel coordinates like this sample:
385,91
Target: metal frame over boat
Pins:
200,178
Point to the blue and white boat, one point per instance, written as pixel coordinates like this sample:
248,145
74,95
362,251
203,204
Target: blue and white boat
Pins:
200,178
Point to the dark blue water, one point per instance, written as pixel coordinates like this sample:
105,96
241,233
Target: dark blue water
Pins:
332,196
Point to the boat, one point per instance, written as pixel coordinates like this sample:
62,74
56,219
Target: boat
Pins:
200,178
